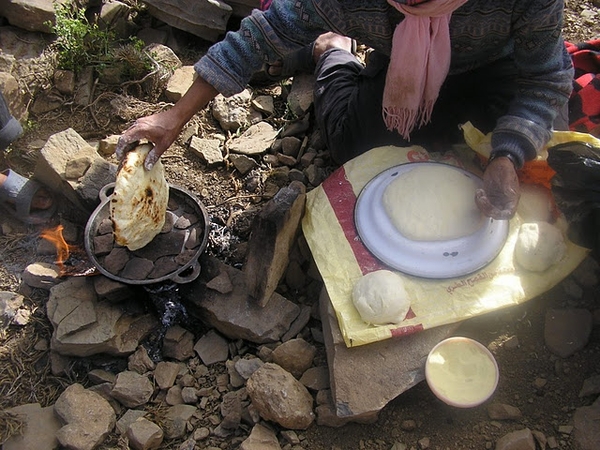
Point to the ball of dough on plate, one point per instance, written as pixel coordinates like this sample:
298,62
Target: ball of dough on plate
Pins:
380,298
539,246
433,202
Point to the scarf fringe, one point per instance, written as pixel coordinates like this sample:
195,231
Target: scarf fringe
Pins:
404,120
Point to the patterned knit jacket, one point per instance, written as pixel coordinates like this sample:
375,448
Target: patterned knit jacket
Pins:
481,31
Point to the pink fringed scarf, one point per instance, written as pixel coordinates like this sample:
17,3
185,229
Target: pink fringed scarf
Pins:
419,63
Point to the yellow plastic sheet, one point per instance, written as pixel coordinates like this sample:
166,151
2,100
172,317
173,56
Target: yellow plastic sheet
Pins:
342,259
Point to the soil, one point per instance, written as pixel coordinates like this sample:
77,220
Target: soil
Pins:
544,387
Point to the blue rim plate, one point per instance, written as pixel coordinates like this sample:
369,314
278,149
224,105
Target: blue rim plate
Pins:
428,259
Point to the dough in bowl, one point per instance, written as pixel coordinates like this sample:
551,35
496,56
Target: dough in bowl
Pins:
380,298
138,205
433,202
539,246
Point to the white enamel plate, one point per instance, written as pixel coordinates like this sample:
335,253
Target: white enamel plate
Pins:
427,259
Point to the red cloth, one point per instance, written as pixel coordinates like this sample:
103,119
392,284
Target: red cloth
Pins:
584,104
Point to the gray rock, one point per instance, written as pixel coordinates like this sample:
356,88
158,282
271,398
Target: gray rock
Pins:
88,418
83,326
39,432
41,275
212,348
295,356
10,303
236,315
178,343
208,150
31,15
261,438
517,440
567,331
383,370
132,389
501,411
257,139
176,420
279,397
207,20
586,421
144,435
165,374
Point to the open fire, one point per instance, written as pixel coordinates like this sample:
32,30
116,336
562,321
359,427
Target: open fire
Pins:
70,259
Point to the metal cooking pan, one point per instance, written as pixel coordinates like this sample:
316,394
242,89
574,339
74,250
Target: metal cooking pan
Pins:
181,203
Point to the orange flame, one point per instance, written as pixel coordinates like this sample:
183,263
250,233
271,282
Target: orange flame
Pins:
55,236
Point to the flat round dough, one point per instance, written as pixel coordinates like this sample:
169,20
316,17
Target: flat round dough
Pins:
539,245
433,202
138,205
380,298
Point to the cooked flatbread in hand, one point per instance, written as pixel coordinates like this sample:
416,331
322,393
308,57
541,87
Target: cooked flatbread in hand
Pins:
138,205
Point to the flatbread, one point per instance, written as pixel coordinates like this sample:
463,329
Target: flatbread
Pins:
138,205
433,202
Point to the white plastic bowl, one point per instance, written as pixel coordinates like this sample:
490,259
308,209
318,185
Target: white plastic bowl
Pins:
461,372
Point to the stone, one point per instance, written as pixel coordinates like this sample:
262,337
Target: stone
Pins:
260,438
586,421
165,374
41,275
130,416
257,139
301,97
383,369
279,397
207,20
517,440
139,361
176,419
274,231
132,389
31,15
236,315
232,112
295,356
39,433
144,435
212,348
178,343
501,411
179,83
10,303
566,331
591,386
208,150
316,378
50,168
88,418
243,163
83,326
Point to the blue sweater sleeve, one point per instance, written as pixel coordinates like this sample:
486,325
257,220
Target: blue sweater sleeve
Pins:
263,37
544,83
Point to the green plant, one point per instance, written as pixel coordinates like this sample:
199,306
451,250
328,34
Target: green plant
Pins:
79,43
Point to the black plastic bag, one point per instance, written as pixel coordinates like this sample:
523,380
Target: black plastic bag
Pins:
576,190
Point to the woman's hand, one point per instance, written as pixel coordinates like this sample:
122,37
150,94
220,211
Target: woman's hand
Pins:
162,128
499,196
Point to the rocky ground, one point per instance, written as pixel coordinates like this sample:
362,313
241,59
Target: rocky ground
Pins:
545,391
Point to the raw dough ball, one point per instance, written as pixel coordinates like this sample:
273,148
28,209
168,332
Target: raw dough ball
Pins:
433,202
380,298
535,204
539,246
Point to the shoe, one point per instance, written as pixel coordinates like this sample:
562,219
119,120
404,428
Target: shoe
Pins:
16,196
10,128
